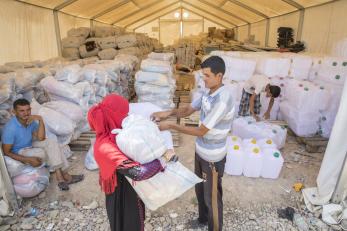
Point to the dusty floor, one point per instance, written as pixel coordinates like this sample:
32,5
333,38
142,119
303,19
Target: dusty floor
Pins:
242,196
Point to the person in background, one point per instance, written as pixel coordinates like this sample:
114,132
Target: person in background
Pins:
250,100
24,140
125,210
216,115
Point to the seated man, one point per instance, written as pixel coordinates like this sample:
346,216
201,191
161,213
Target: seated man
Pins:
250,99
23,139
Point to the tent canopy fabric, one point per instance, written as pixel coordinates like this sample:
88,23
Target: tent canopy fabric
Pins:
127,12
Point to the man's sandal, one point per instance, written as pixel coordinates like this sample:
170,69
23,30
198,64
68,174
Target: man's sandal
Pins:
76,179
63,186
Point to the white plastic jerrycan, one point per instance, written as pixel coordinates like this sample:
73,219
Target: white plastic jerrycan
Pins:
272,163
235,160
254,162
266,143
249,142
231,140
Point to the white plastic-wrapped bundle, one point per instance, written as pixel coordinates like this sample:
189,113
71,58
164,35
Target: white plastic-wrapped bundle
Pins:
151,65
62,89
72,42
165,186
89,161
238,69
315,67
307,96
79,32
14,167
333,70
31,182
153,78
26,79
156,91
303,123
273,66
58,123
128,40
7,88
69,73
140,139
162,56
70,110
300,66
108,54
107,42
247,127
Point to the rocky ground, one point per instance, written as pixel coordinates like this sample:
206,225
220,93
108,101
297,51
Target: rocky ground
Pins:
249,204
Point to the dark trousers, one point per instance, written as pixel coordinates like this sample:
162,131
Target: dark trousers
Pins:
210,192
125,211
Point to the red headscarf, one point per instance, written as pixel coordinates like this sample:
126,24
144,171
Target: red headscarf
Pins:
103,118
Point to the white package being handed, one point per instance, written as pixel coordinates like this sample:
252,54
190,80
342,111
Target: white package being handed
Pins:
235,159
89,161
63,89
152,65
272,163
254,162
31,182
70,110
273,66
238,69
162,56
140,139
165,186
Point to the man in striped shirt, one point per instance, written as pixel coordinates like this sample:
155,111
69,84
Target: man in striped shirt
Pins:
216,114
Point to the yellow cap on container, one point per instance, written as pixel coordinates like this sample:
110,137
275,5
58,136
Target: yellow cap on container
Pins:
256,150
253,141
234,138
236,147
269,141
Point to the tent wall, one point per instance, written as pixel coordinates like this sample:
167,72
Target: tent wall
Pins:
208,23
324,26
259,31
151,29
66,22
27,32
242,33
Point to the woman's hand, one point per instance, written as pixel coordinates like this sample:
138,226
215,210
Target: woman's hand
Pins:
170,155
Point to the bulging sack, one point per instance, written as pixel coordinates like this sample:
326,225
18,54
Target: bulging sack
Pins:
140,139
165,186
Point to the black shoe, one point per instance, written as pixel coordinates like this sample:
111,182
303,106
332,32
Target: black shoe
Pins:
196,223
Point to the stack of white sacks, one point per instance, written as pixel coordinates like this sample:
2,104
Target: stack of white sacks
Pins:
311,86
155,81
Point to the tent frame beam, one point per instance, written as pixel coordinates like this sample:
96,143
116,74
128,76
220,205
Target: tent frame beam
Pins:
216,16
65,4
108,10
224,11
156,18
137,11
236,2
294,4
57,31
147,15
206,18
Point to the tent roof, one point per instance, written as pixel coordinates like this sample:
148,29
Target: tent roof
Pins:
131,13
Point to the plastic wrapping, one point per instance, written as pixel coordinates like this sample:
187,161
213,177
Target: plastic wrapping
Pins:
140,139
165,186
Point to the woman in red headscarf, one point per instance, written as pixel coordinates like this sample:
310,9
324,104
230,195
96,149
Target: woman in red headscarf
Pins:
125,210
